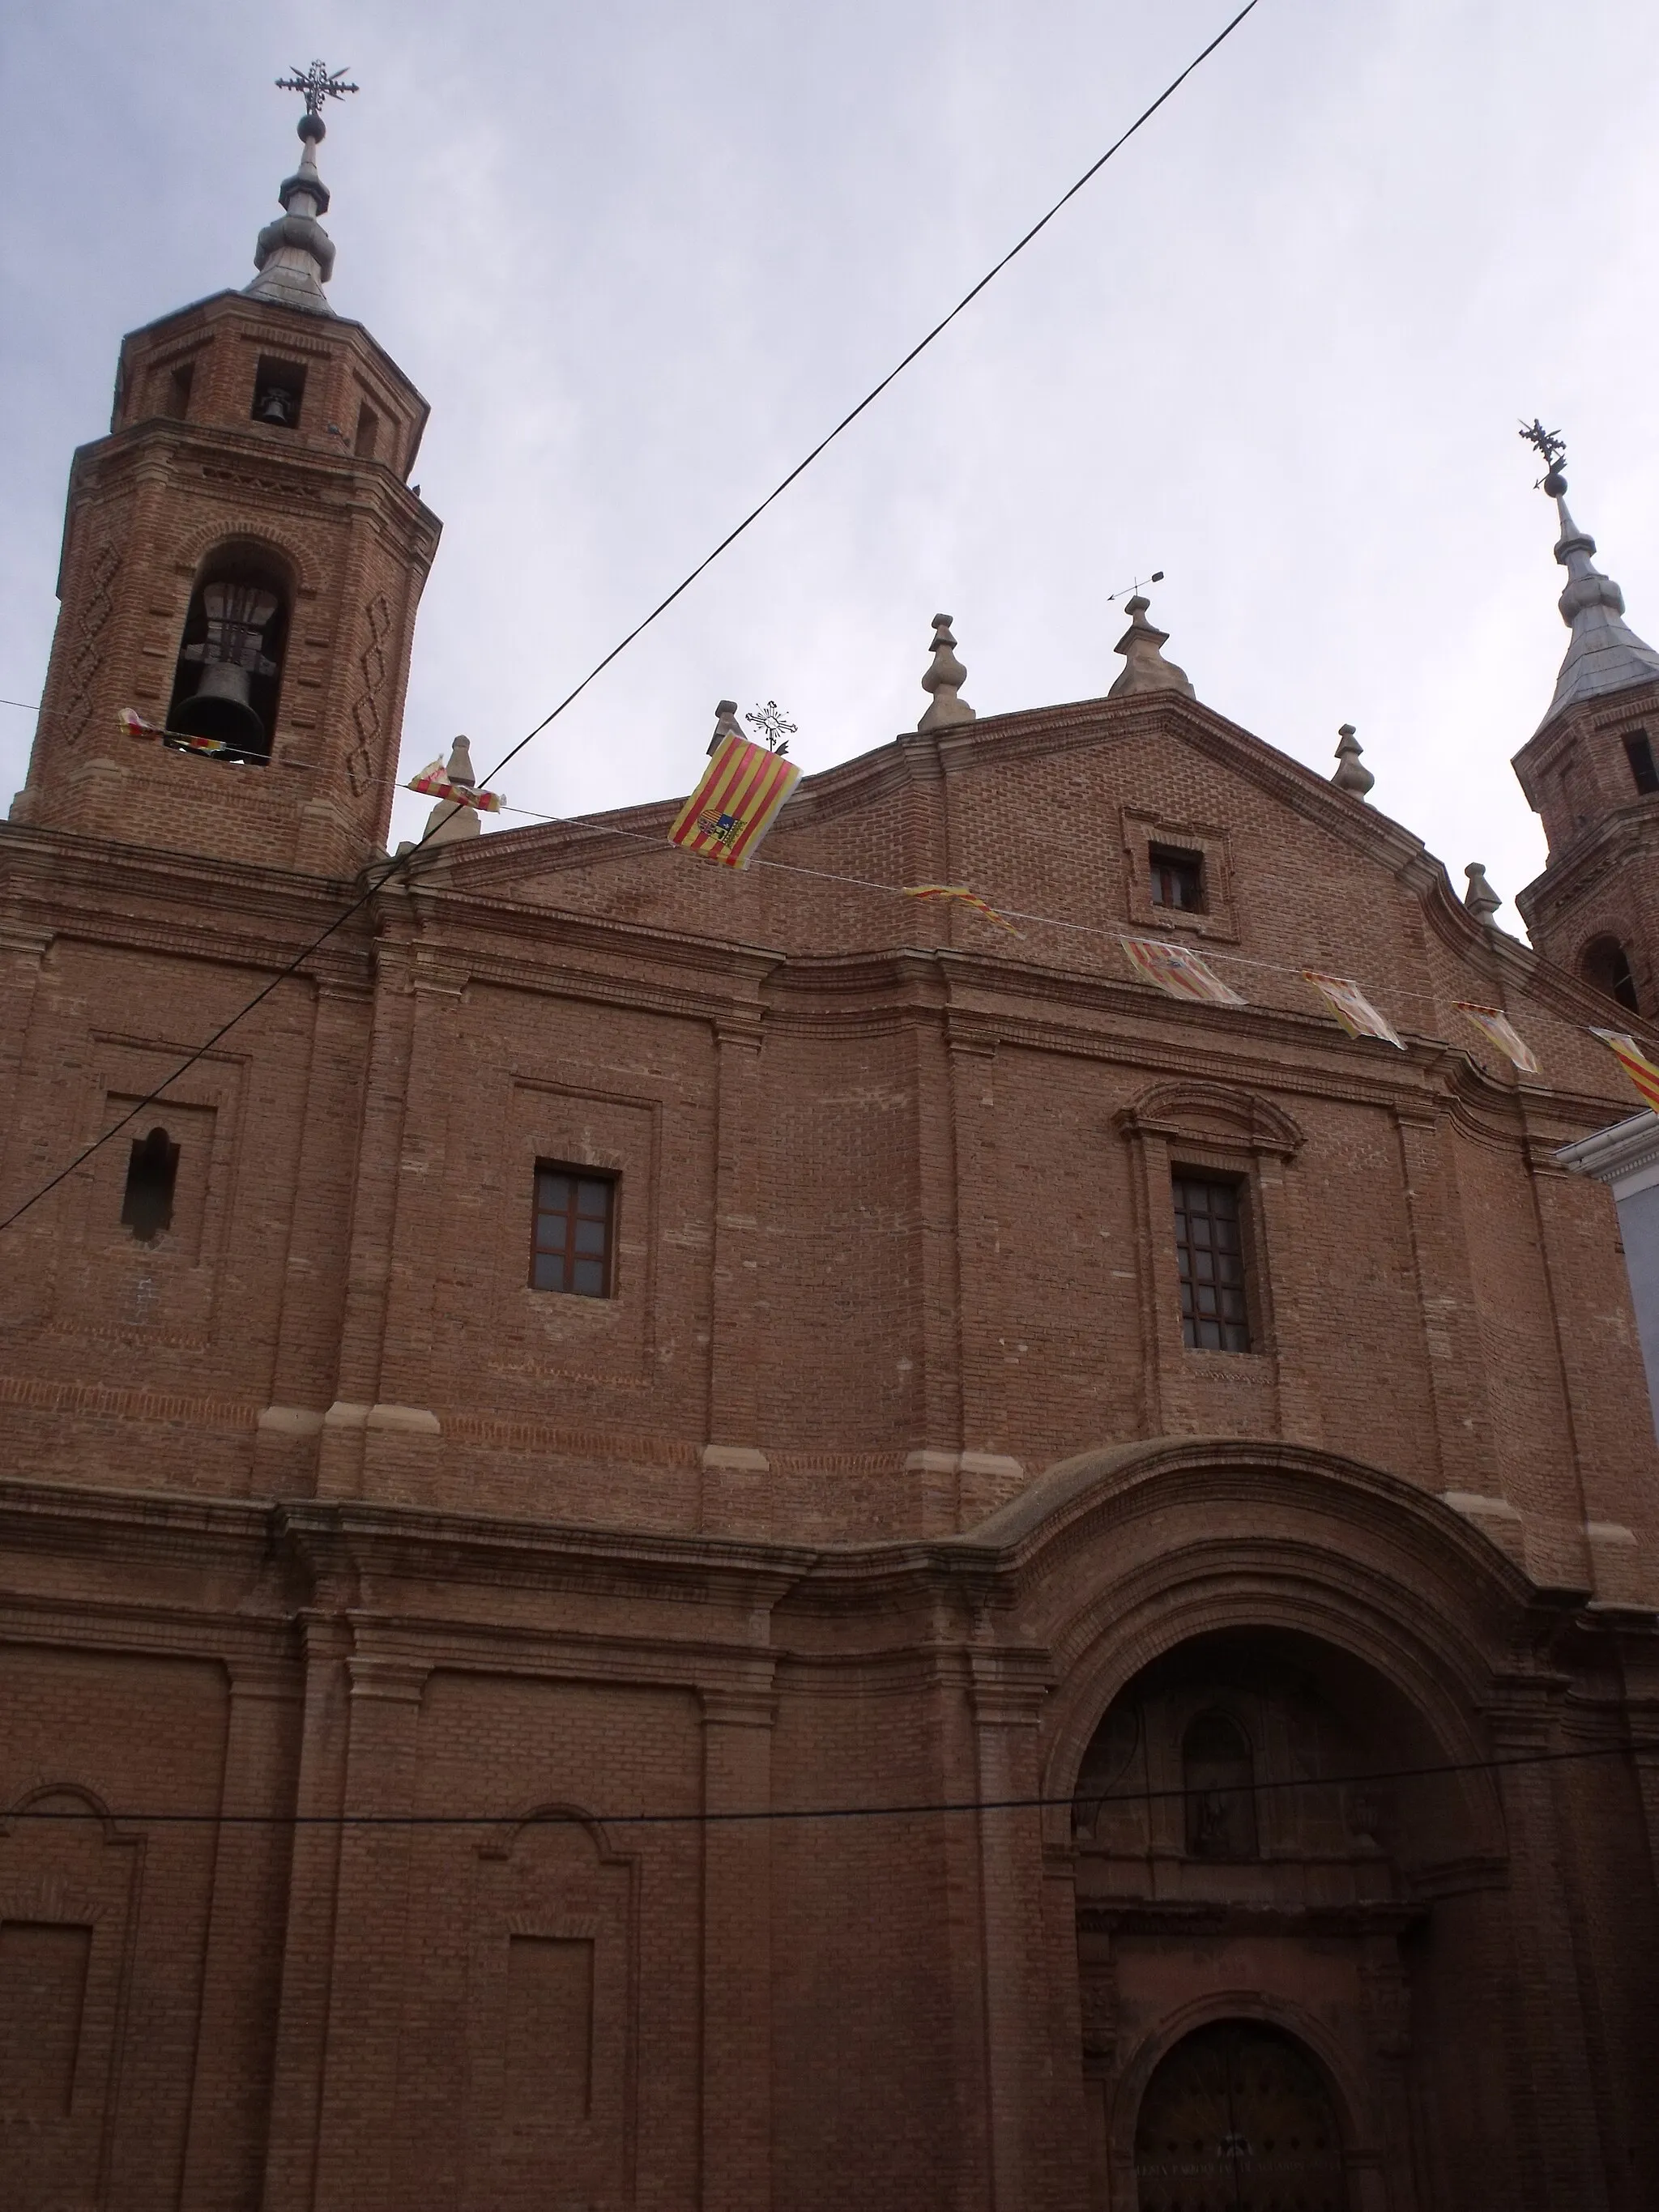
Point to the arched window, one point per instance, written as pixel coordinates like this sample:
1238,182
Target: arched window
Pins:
1218,1776
230,660
1605,963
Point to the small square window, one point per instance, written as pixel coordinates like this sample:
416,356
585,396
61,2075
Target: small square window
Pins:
1209,1257
1639,751
1177,878
571,1247
279,387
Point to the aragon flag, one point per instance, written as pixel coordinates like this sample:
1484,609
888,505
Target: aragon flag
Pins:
1351,1007
1495,1025
1179,970
1634,1061
735,804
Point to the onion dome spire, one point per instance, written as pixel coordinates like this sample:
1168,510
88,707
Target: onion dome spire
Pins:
943,679
1604,655
295,255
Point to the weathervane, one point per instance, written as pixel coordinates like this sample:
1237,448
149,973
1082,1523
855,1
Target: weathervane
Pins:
768,722
1157,577
318,83
1553,448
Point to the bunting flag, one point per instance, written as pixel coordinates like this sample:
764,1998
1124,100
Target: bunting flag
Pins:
1351,1007
1494,1024
177,741
1634,1061
434,780
1179,970
735,802
963,896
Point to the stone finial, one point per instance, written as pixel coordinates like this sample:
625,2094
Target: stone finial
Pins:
1351,774
449,820
1142,647
1481,900
725,723
943,679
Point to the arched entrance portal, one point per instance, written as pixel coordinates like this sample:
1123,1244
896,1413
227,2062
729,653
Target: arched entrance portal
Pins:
1238,2118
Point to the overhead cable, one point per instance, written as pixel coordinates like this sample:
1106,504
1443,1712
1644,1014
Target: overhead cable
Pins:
640,628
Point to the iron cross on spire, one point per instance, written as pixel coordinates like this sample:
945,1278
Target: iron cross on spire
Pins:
318,83
1553,448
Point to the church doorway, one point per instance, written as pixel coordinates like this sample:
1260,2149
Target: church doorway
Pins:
1237,2118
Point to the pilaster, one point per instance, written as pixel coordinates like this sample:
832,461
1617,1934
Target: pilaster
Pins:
357,2132
736,1492
302,2013
1008,1692
737,1947
241,1967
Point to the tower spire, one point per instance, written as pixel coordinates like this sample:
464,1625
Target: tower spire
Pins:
295,255
1603,654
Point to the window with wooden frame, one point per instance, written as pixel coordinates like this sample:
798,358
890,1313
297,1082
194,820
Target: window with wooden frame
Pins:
1177,879
1210,1257
574,1231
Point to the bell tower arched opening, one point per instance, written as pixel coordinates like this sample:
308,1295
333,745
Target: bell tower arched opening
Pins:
1605,963
228,681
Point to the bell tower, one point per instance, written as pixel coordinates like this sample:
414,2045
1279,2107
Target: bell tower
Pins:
1591,771
242,560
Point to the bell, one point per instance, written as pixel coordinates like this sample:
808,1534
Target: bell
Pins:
220,710
275,406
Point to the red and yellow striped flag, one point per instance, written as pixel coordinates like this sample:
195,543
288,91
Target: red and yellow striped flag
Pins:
1495,1025
1634,1061
963,896
434,781
1179,970
735,804
1351,1007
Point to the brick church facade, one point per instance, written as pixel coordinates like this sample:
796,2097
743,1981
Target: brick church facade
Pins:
1114,1542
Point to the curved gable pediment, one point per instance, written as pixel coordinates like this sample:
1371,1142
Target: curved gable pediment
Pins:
1212,1113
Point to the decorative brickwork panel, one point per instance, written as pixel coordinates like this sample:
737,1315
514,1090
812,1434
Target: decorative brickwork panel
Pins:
365,708
87,655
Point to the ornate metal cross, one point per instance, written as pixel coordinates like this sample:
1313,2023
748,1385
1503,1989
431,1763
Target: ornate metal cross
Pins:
768,722
1553,448
318,83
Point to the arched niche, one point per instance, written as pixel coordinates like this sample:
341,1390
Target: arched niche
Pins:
1246,1750
228,675
1605,965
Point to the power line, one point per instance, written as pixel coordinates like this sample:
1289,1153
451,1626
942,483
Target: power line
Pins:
876,390
639,629
701,1818
24,703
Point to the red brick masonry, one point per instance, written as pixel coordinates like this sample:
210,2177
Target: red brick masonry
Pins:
884,1479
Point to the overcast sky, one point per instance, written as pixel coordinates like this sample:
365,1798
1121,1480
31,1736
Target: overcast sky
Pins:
640,257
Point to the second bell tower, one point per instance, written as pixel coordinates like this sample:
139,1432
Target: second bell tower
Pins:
242,561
